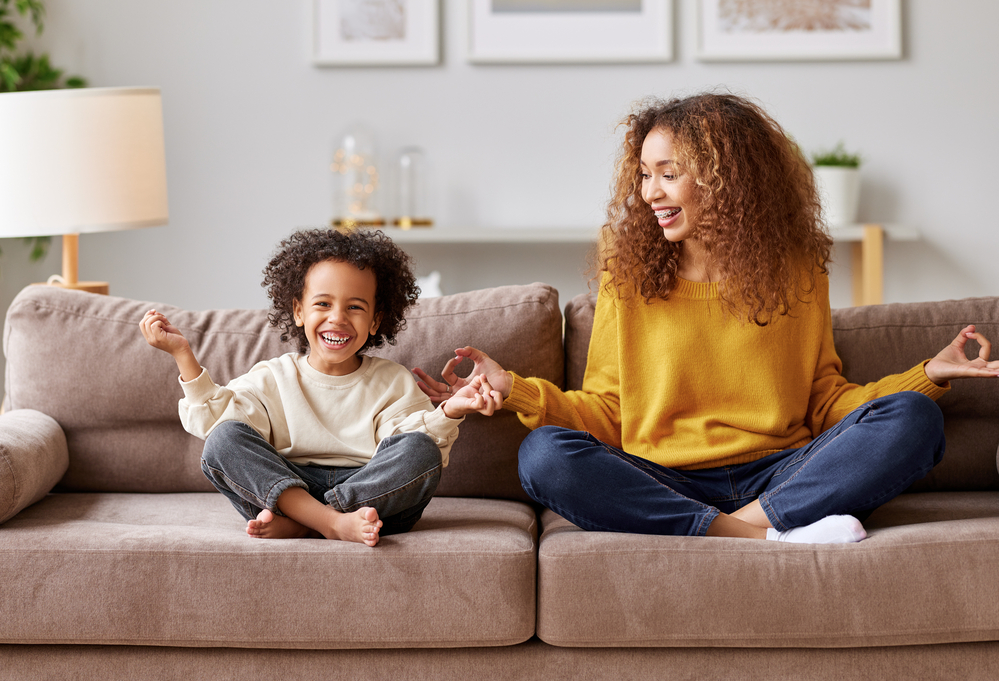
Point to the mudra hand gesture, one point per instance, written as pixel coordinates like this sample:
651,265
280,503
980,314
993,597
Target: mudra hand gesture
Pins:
491,372
951,362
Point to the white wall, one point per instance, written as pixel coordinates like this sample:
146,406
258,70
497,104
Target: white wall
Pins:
251,125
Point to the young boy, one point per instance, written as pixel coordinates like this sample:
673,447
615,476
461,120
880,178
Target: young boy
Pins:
325,441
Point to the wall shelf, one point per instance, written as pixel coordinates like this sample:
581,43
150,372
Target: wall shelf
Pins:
498,235
867,241
868,256
856,232
582,235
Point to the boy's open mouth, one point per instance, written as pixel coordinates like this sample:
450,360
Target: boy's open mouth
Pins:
331,339
666,213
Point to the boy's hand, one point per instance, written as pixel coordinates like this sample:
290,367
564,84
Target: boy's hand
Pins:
476,397
161,334
485,366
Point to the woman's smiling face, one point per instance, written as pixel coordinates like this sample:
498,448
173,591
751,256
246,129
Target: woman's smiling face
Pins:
337,310
668,190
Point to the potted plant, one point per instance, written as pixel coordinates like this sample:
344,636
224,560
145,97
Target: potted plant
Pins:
24,71
837,177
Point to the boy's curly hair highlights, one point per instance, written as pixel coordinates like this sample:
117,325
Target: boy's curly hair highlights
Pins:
756,206
395,292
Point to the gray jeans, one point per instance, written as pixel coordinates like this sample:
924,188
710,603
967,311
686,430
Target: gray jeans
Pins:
398,482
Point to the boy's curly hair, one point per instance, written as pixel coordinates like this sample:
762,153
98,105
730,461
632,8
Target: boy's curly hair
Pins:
756,206
395,292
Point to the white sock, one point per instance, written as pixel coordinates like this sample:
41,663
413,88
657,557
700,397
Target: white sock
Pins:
833,529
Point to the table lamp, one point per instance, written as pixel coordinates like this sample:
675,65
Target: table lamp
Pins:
81,160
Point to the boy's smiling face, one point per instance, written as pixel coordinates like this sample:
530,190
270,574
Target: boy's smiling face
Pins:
337,310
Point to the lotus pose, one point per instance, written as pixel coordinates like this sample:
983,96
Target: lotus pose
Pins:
713,401
324,441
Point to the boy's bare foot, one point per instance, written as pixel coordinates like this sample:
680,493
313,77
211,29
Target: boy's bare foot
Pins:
360,526
267,525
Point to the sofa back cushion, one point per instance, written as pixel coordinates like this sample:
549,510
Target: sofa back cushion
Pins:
81,359
874,342
879,340
518,326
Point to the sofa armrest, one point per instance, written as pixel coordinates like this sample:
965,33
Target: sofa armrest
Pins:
33,458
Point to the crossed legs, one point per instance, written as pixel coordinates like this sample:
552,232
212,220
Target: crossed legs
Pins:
280,499
870,457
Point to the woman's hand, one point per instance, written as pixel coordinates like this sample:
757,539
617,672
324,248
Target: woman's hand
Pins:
951,362
499,379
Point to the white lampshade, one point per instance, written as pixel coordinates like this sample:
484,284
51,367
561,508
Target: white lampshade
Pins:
81,160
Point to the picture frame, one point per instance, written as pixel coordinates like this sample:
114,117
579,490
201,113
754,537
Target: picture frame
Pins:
748,30
570,31
376,32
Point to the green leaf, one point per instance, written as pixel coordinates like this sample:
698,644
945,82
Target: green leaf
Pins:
37,73
9,77
838,156
37,10
9,35
39,246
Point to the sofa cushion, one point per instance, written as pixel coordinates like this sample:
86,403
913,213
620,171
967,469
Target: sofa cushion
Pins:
578,329
879,340
518,326
179,570
874,342
81,359
530,661
897,587
33,456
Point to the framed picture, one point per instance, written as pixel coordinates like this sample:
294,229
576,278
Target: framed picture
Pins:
585,31
375,32
800,30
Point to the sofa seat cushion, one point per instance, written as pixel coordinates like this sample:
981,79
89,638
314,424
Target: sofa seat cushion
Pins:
925,575
179,570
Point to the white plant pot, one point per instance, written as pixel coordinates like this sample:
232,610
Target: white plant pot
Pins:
839,192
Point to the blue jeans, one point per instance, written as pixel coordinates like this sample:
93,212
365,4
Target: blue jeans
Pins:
865,460
398,482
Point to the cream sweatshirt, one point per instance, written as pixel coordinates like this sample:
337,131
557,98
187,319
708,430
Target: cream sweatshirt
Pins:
313,418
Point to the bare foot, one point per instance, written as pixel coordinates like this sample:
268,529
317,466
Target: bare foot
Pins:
270,526
360,526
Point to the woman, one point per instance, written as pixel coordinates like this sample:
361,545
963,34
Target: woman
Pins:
713,401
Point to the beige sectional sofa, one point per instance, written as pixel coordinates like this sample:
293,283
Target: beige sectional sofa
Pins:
133,567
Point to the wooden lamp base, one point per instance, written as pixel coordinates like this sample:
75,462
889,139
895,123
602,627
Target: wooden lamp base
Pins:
100,287
70,261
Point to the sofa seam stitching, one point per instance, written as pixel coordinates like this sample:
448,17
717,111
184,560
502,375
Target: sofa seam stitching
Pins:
78,313
5,457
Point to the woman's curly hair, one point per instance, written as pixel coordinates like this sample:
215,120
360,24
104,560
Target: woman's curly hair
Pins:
395,292
756,207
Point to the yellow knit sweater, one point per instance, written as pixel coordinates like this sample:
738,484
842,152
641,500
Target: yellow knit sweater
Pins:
684,383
